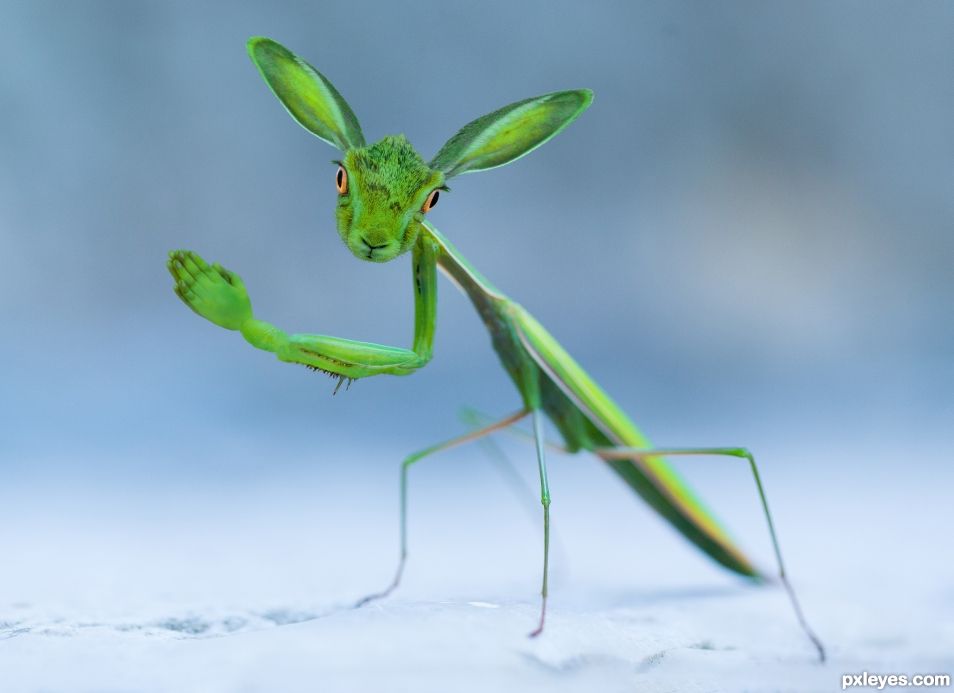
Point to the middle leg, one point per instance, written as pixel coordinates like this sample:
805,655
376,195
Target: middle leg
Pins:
545,500
453,442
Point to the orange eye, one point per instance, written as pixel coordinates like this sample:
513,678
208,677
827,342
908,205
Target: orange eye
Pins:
341,180
431,201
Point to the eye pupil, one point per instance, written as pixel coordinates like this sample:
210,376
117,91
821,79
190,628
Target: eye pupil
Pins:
434,197
341,180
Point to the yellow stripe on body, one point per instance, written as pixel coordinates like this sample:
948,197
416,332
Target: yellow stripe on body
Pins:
606,415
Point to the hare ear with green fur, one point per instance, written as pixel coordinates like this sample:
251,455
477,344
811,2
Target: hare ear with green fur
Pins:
510,132
306,94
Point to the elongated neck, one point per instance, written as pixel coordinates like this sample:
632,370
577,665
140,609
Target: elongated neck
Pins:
461,272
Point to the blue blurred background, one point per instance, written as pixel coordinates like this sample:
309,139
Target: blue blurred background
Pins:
746,239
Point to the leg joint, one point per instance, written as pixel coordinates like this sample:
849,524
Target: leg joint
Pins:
745,453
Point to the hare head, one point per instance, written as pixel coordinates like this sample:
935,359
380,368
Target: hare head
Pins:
386,188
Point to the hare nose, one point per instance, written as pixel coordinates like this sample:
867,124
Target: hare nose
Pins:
373,246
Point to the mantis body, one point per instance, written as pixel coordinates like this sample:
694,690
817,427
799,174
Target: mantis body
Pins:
384,192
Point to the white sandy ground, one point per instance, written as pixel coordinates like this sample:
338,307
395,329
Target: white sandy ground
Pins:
123,583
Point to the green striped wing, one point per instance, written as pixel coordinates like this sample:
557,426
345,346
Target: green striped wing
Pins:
652,477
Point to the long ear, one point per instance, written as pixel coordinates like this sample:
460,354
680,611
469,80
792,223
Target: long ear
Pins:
510,132
306,94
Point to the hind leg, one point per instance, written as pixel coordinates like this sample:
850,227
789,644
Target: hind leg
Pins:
621,453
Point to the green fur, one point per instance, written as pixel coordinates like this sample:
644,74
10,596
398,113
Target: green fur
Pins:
388,183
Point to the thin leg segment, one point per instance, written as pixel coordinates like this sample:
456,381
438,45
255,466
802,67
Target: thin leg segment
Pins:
545,500
520,487
405,465
474,417
636,453
503,464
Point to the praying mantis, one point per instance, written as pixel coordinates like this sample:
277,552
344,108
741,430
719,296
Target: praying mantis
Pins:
384,193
